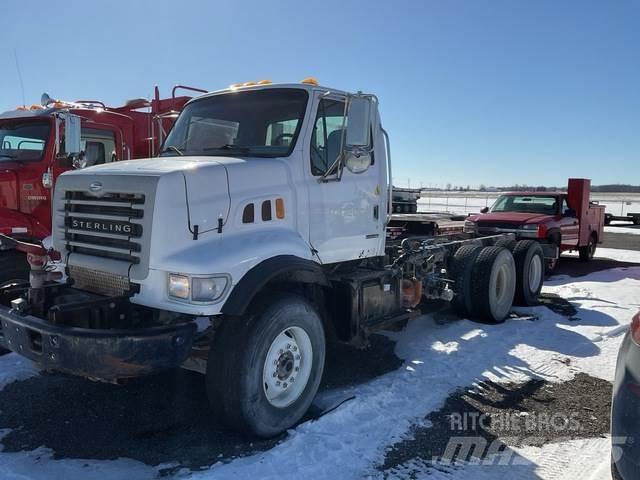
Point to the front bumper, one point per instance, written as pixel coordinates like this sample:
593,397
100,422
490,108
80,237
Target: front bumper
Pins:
102,354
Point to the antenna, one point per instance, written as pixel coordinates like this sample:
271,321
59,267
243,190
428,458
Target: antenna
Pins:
15,54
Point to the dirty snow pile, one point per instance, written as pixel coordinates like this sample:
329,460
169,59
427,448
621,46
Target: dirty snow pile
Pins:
440,356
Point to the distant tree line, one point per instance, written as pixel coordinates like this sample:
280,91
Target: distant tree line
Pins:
616,187
611,188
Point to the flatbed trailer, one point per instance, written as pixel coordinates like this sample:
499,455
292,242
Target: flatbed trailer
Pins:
424,224
629,217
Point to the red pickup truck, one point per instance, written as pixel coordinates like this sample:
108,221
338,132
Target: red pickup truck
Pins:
560,221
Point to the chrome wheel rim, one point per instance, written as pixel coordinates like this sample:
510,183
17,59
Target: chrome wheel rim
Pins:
287,367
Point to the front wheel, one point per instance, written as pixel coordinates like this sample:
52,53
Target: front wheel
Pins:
264,370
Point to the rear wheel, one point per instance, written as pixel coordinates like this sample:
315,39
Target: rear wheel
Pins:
507,243
529,260
493,284
588,251
460,272
263,371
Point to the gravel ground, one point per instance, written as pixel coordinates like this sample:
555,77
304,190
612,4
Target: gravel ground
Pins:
532,413
625,241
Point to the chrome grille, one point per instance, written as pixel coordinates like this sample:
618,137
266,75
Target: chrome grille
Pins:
109,225
102,283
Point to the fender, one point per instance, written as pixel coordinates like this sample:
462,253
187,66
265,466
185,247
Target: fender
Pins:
295,268
14,223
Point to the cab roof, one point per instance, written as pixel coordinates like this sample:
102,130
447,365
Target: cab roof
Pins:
242,88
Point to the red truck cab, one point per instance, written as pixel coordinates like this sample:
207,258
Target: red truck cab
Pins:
568,221
33,154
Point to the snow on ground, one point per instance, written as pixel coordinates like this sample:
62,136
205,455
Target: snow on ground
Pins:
622,227
441,354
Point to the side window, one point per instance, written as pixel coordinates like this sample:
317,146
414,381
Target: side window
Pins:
99,146
327,135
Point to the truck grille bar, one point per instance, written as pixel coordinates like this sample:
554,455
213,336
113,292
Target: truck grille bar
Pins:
109,225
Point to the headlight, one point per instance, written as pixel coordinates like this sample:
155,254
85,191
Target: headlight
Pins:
178,286
208,289
529,226
197,289
469,226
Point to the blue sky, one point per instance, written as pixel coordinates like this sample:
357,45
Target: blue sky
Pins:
492,92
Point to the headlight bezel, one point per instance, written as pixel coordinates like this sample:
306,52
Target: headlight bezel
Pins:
192,280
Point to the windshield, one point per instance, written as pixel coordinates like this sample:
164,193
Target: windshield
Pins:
23,141
526,204
259,123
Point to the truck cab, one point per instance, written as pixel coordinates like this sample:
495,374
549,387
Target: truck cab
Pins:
39,143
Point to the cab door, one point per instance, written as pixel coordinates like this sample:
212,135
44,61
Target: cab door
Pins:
346,214
569,226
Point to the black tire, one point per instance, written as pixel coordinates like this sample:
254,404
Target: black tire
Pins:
529,259
493,284
552,265
460,272
588,251
235,383
507,243
13,266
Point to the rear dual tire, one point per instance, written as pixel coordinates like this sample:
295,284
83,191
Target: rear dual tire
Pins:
487,281
530,265
493,284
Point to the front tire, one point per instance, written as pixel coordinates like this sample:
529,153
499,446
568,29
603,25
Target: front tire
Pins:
529,260
264,370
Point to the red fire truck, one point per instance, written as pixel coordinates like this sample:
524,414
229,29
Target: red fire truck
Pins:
40,142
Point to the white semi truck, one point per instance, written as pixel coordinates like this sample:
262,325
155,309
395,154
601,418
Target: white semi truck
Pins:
256,236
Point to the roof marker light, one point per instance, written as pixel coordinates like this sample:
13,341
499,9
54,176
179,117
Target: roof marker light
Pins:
264,82
248,84
310,81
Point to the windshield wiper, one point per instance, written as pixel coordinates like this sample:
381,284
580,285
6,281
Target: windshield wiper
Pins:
228,147
171,148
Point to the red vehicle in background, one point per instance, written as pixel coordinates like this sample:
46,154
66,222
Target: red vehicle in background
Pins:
39,143
560,221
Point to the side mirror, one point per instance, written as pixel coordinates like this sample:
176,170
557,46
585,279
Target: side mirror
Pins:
484,210
357,139
72,134
570,213
358,122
